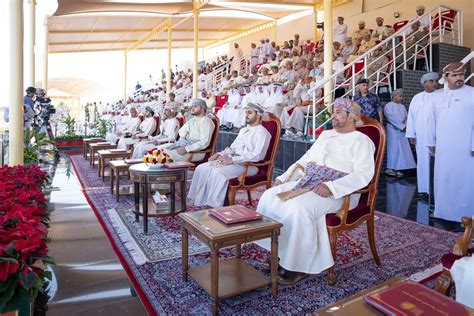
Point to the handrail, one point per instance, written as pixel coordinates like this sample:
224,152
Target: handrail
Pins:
397,55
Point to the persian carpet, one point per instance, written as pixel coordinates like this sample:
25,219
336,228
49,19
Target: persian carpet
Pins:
405,248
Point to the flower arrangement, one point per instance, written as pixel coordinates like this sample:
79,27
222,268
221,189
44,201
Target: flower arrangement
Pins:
156,158
23,234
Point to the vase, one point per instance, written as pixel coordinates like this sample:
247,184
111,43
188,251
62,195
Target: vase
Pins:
155,165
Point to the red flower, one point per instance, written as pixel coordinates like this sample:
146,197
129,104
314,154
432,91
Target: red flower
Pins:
7,268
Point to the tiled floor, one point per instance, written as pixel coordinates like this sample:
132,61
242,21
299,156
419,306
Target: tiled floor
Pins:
88,278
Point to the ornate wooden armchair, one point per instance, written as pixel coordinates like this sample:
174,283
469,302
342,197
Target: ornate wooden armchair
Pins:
364,212
460,249
265,167
211,149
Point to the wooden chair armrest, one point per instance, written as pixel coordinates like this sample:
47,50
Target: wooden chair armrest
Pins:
462,244
192,153
297,166
256,164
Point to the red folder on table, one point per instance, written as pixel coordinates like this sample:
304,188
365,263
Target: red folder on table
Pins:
234,214
412,298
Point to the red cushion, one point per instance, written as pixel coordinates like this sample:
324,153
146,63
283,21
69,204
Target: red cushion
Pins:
353,216
271,127
259,177
448,260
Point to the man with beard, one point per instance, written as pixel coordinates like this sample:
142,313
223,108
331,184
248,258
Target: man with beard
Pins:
145,129
303,245
211,179
195,135
451,137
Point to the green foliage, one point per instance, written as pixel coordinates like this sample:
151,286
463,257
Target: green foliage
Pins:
70,122
32,143
323,117
103,127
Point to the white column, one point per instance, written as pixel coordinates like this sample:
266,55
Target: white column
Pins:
315,21
328,86
45,54
168,68
125,71
15,49
30,73
196,52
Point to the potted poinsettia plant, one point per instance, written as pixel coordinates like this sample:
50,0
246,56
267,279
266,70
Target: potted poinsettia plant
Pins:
23,236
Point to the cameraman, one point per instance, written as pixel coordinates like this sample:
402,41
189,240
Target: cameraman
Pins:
29,106
44,109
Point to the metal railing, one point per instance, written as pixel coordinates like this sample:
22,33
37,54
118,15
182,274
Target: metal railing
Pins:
401,51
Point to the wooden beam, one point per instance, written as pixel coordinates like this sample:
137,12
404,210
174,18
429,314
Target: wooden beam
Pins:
140,31
129,42
244,33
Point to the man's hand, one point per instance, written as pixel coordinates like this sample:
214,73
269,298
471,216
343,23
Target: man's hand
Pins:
322,190
277,182
181,151
412,141
226,160
213,157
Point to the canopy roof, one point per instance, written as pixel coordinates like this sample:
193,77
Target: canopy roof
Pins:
103,25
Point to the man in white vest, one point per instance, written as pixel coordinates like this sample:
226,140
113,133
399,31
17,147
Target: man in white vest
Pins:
211,179
303,245
419,112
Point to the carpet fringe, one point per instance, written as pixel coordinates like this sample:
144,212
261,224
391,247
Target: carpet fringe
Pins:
125,236
425,274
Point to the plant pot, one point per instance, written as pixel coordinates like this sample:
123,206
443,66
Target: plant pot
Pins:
23,307
69,143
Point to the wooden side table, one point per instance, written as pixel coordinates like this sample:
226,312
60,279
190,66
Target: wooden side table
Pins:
87,141
229,277
113,154
118,167
143,176
95,147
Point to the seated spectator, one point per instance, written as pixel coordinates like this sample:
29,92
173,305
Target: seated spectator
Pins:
168,133
211,179
347,50
381,32
145,129
361,32
422,18
195,135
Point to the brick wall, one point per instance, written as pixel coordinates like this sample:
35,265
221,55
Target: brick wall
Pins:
444,54
409,80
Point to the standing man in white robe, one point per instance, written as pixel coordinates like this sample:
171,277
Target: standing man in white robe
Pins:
195,135
451,137
131,127
417,128
303,245
235,55
399,155
146,128
168,133
340,31
211,179
254,52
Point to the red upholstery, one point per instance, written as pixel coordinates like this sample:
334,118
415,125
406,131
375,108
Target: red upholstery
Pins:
399,25
362,208
262,173
358,66
447,18
220,101
141,117
180,120
257,66
448,259
157,129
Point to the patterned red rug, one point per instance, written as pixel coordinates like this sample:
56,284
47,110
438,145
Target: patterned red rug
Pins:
405,248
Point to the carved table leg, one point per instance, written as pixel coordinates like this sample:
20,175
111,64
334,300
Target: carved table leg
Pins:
214,280
184,253
274,263
136,195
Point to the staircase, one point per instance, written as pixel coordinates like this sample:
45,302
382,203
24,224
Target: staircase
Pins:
402,53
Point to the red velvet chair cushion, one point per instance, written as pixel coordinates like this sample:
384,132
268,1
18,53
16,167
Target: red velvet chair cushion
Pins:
157,129
353,216
448,259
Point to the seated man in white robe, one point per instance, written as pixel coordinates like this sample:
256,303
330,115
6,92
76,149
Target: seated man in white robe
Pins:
131,126
276,96
211,179
226,113
168,133
146,128
195,135
238,117
399,155
303,245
